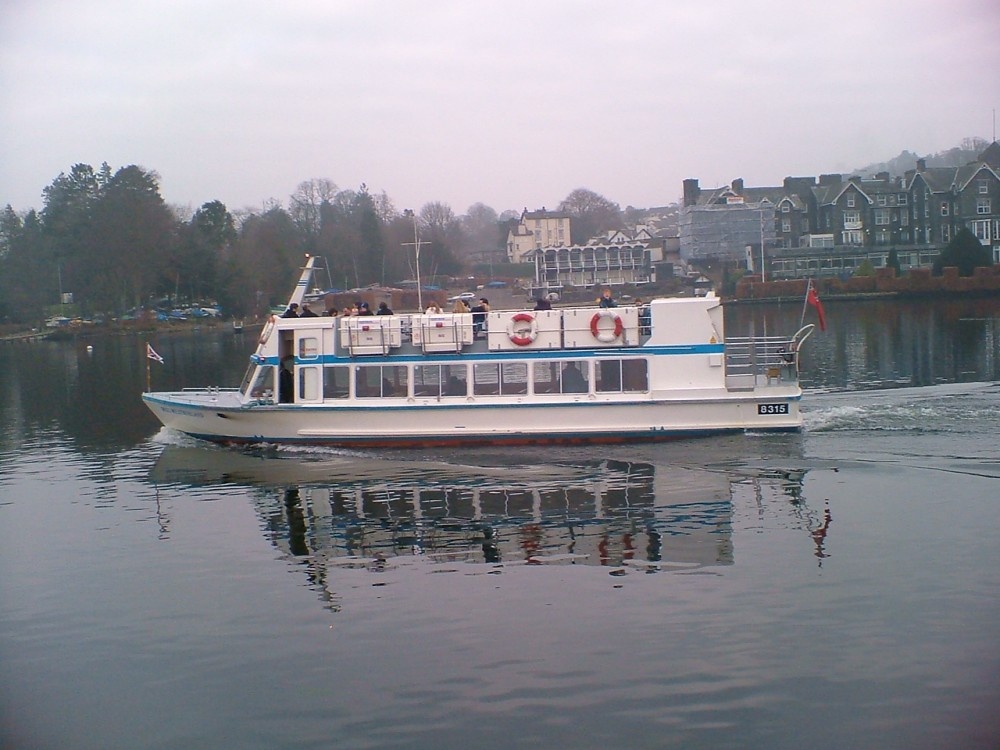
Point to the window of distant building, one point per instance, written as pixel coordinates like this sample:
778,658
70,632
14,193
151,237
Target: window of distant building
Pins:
945,206
882,200
982,230
904,219
852,218
945,233
902,199
882,237
983,206
853,237
786,225
984,187
850,200
904,235
882,217
785,208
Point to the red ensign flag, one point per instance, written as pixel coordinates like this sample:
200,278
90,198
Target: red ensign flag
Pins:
813,299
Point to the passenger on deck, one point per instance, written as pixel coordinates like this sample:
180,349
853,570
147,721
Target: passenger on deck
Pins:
292,311
306,312
479,316
364,309
383,309
433,309
573,380
542,304
460,306
606,300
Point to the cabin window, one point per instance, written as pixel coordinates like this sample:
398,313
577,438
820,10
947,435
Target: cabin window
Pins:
500,379
545,377
573,376
621,375
378,381
336,381
440,380
263,384
308,347
309,383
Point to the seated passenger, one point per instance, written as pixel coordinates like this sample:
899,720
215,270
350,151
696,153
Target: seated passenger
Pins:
479,316
383,309
573,380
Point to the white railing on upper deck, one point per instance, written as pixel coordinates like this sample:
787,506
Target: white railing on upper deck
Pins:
775,358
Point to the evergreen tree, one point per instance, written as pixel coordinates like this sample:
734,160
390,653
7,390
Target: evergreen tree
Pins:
965,252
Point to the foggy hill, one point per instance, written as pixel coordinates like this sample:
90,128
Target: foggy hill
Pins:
968,151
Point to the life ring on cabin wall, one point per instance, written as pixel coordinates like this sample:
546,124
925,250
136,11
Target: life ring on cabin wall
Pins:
265,334
606,335
519,334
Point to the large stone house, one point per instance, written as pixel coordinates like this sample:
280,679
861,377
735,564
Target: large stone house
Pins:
537,229
829,226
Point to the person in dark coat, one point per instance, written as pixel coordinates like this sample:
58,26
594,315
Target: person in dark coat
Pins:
383,309
306,312
292,311
607,300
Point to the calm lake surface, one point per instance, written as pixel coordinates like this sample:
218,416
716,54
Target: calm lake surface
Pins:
837,588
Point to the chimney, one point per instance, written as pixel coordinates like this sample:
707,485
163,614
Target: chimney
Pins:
691,192
921,165
882,176
738,186
830,179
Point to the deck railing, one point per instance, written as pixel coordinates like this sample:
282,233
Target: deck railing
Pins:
775,358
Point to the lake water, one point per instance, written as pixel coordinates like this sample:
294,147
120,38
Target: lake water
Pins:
830,589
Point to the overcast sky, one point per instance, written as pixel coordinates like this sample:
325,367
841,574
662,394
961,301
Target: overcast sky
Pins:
513,104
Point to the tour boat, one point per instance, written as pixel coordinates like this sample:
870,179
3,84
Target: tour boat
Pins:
507,377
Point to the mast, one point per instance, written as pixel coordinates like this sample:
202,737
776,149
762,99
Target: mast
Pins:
303,284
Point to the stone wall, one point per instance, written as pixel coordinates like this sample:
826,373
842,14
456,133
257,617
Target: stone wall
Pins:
916,282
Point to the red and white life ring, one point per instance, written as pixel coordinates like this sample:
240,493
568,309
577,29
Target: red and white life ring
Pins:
265,334
606,335
522,335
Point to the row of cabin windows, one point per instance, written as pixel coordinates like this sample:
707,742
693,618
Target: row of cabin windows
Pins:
481,379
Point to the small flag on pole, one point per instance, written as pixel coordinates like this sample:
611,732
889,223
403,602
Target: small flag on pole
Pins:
812,297
151,354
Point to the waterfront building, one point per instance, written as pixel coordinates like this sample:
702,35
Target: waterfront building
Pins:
620,258
830,226
535,230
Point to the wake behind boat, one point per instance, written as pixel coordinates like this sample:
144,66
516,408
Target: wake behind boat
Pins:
567,375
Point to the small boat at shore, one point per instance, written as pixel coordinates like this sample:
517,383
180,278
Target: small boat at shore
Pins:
504,377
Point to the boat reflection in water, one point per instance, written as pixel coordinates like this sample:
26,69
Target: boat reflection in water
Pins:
369,512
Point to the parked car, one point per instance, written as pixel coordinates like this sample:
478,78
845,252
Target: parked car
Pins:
464,296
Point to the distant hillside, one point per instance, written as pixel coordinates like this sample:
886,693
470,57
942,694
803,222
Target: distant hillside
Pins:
958,156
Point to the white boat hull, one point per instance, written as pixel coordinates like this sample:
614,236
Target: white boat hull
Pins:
207,416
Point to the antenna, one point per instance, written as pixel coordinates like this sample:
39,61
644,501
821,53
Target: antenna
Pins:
417,243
